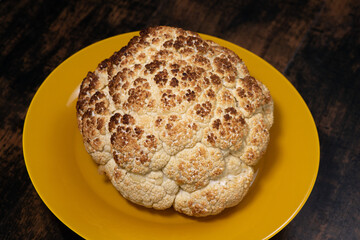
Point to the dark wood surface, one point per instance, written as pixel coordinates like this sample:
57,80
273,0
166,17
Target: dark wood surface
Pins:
315,44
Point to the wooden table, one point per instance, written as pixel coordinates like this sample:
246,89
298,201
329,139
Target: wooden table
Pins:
315,44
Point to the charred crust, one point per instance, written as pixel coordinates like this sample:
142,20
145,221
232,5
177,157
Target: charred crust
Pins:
241,120
155,40
204,109
215,79
168,99
138,131
161,78
97,96
127,119
216,124
139,81
89,84
179,42
227,117
190,95
223,65
168,43
240,92
231,110
100,107
174,66
211,138
201,60
163,54
153,66
210,93
80,105
104,64
115,58
174,82
100,123
168,126
114,121
89,113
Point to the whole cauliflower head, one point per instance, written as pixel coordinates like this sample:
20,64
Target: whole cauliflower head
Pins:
175,120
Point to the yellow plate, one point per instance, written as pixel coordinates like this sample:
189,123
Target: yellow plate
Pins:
68,182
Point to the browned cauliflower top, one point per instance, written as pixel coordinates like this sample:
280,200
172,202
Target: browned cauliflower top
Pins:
175,120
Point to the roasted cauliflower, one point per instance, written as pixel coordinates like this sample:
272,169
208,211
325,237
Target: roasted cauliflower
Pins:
175,120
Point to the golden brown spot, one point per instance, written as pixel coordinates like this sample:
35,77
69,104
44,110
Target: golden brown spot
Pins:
96,143
126,85
137,66
193,126
137,97
158,121
231,79
198,88
118,174
150,142
210,196
173,118
227,96
141,57
206,81
187,51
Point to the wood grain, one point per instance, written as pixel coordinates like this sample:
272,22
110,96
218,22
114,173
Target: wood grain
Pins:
315,44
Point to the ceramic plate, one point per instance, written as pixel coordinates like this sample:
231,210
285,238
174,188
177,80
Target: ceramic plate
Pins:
68,182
